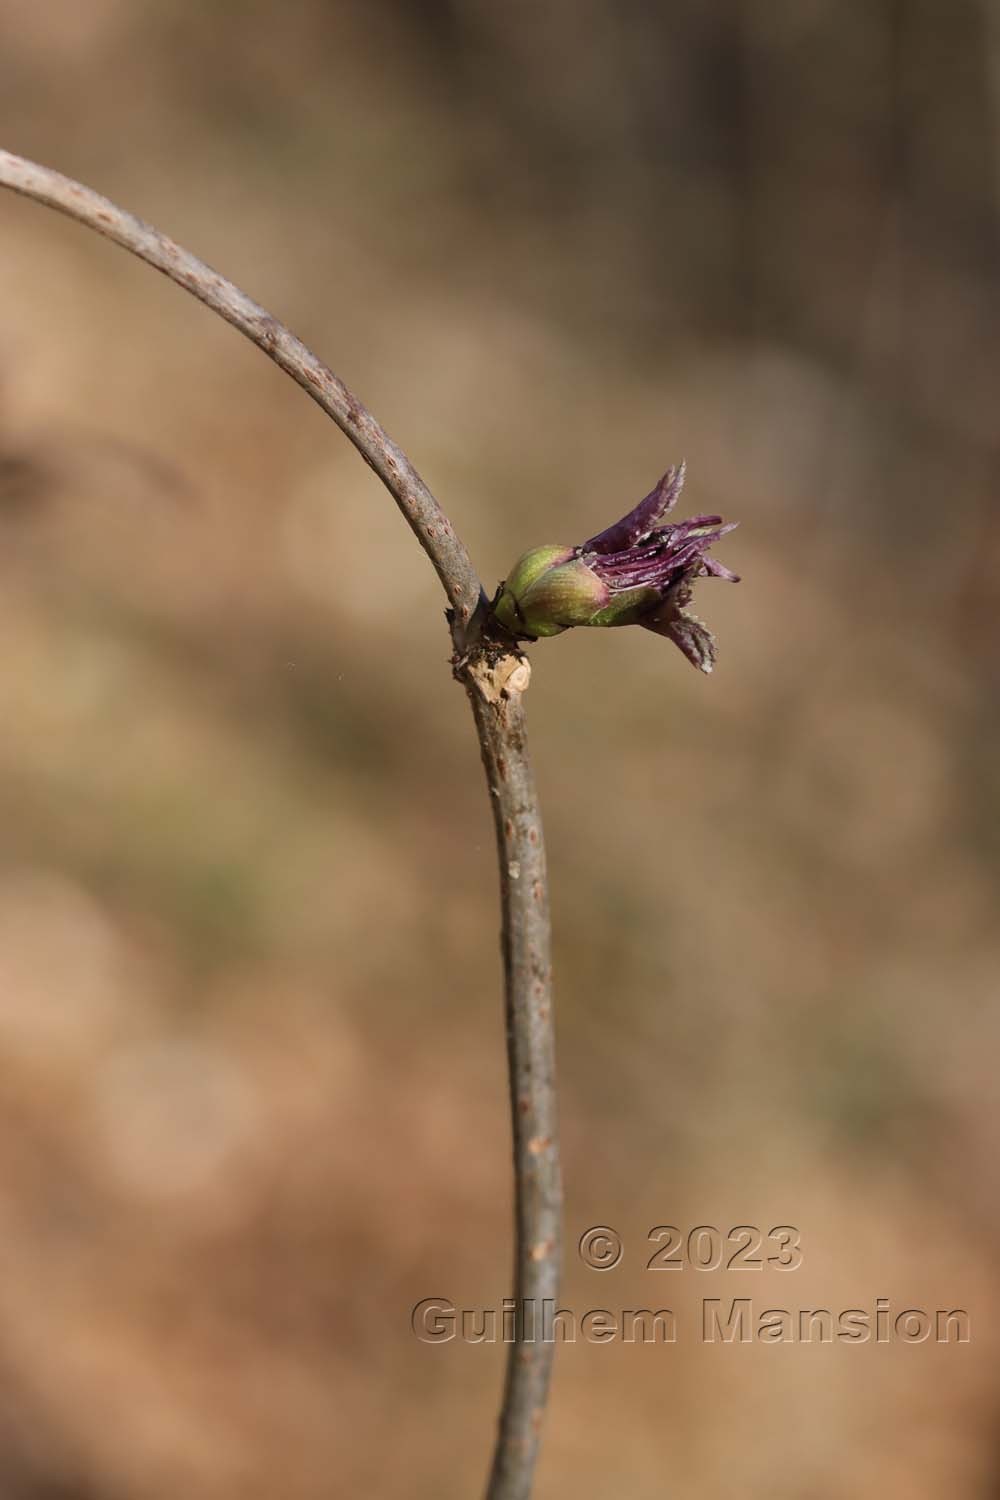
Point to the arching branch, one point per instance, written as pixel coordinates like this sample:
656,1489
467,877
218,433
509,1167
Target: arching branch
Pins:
426,518
494,675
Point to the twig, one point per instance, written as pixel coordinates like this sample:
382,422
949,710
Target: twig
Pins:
497,704
426,518
495,675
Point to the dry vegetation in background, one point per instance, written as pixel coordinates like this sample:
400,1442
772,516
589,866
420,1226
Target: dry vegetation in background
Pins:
251,1080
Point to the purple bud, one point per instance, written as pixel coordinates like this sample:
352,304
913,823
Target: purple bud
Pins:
637,572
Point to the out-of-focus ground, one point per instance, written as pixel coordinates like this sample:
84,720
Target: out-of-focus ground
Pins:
251,1055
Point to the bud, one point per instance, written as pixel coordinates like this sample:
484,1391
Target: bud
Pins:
549,589
637,572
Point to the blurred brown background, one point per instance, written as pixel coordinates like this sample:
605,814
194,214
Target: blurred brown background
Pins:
251,1057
